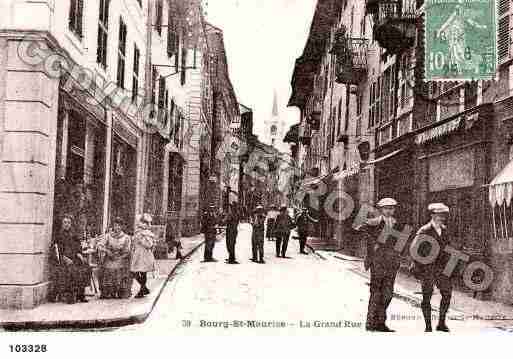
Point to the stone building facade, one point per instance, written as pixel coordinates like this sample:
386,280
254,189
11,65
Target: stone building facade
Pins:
402,137
105,111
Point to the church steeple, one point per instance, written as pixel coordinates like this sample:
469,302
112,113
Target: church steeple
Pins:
275,104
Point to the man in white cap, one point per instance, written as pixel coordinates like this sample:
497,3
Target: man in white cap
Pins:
257,237
431,274
383,262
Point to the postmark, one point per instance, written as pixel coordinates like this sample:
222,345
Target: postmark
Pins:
460,40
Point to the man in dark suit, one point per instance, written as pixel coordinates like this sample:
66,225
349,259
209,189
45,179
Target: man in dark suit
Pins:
283,226
431,274
232,223
209,229
302,221
257,237
383,261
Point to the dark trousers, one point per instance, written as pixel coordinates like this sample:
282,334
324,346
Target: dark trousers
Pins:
444,284
230,245
141,278
302,241
381,292
210,242
282,242
257,248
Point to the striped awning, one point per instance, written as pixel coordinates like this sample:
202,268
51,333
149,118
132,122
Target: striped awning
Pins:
501,188
438,131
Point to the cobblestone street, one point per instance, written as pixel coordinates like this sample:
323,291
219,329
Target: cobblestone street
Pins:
293,296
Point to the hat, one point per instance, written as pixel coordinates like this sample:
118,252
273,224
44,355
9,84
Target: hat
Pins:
145,217
438,208
387,202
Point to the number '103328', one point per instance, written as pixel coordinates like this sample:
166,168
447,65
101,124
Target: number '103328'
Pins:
28,348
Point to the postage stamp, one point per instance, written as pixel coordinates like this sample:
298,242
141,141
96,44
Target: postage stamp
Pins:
460,40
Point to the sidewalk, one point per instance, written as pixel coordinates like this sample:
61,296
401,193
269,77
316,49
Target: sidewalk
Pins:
99,313
407,288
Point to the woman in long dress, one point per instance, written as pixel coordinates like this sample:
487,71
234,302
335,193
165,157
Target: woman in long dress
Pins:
115,251
70,273
143,260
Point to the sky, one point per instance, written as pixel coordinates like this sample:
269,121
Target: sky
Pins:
263,38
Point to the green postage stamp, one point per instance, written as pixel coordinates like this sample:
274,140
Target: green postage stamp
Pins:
460,40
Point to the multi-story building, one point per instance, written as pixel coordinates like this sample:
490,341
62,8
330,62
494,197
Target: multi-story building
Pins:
367,111
106,111
225,161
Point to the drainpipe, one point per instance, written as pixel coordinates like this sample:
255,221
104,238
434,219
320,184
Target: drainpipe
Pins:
147,95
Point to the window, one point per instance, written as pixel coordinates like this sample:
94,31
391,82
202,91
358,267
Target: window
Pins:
339,116
76,8
135,74
162,91
183,74
153,90
103,30
172,34
121,54
158,17
504,36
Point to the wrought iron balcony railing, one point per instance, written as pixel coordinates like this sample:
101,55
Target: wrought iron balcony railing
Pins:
395,24
351,60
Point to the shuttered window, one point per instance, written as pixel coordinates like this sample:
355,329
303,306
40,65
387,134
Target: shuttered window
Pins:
135,74
158,17
172,34
103,30
504,36
121,54
76,10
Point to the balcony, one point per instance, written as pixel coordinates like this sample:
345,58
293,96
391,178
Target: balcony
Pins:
305,140
395,25
371,6
351,58
314,120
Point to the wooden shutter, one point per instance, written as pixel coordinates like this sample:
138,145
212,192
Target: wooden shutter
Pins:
80,12
171,34
504,37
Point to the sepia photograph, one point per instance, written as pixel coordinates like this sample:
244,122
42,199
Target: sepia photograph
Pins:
316,168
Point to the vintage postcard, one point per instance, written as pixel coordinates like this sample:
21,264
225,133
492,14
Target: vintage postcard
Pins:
256,167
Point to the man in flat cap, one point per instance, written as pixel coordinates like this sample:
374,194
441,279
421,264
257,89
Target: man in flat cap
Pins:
431,274
257,237
284,224
383,261
209,229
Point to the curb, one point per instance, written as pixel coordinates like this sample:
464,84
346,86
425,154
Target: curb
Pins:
99,323
316,253
412,300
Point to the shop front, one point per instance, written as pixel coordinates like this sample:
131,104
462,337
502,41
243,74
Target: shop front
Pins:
123,174
394,176
345,211
453,168
80,165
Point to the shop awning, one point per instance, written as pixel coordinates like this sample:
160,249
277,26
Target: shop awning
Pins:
501,188
313,181
171,148
391,154
441,130
339,176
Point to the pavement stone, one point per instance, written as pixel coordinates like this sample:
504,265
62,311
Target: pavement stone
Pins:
300,295
462,303
99,312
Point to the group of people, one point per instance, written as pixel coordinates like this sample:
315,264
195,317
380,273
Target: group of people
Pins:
383,260
120,259
274,225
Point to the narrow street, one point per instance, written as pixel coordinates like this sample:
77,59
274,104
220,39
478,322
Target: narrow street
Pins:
296,295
